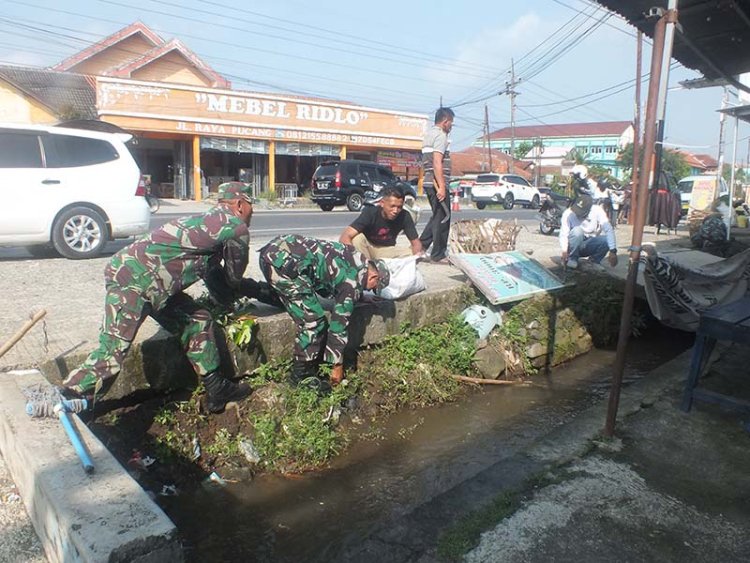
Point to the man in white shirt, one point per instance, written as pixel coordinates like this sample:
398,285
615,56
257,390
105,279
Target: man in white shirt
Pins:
586,232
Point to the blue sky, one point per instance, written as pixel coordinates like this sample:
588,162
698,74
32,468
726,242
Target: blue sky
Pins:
396,55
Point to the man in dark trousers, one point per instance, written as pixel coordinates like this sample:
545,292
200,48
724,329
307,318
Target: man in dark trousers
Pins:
148,277
436,162
300,269
375,231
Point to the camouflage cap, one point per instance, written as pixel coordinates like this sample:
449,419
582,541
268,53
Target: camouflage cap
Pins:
235,190
384,274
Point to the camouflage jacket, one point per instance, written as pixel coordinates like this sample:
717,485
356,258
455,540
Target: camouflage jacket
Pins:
330,269
179,253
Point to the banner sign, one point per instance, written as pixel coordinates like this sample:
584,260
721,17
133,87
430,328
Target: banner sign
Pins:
704,194
503,277
154,106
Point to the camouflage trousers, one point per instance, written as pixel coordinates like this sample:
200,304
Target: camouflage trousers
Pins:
303,305
125,309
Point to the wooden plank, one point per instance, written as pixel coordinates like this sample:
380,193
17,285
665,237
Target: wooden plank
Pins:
724,400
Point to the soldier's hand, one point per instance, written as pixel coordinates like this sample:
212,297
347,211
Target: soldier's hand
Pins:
337,374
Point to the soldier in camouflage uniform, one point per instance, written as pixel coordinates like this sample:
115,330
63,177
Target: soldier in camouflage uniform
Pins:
301,268
148,278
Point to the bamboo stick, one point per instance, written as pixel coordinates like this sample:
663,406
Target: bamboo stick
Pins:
24,329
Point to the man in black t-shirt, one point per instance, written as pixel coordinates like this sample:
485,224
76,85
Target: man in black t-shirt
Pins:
374,232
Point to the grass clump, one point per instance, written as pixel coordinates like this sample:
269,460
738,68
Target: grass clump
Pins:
413,368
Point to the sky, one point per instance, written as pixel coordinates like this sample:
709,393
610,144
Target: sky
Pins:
573,60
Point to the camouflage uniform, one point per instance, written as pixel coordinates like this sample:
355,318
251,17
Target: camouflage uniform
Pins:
147,278
300,269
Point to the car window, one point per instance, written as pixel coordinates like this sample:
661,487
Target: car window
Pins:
68,151
19,150
386,174
482,178
685,187
370,172
519,180
349,168
326,170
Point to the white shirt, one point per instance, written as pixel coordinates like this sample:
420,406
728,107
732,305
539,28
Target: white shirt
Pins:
594,224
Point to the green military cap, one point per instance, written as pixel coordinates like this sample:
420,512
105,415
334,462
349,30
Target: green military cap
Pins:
235,190
384,274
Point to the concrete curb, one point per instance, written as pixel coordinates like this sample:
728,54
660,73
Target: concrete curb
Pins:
159,363
103,517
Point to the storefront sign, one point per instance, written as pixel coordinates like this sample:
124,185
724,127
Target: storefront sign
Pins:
399,159
503,277
222,113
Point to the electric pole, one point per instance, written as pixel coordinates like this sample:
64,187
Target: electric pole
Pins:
636,131
487,128
510,91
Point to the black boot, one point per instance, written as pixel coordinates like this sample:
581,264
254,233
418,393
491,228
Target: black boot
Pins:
220,391
306,374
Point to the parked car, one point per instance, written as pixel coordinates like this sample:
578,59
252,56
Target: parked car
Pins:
68,190
685,187
507,189
347,182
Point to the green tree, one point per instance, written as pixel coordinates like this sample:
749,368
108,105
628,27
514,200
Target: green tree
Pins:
522,149
672,162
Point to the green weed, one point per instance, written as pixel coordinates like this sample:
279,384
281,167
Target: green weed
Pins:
224,444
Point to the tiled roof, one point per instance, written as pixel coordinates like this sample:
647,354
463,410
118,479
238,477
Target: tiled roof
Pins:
563,130
64,93
703,161
474,160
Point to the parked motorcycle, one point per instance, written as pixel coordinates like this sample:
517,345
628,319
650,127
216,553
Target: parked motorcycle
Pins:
551,211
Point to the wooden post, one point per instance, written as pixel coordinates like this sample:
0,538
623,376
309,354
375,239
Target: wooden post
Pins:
271,167
342,152
197,185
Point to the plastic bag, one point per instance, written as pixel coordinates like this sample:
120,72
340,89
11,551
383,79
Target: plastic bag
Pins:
406,279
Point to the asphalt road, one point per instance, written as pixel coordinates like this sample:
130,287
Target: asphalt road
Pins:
327,225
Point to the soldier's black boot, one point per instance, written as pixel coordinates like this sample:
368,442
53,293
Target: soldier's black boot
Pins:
302,371
220,391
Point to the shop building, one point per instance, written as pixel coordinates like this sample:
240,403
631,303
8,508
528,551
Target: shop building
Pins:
192,131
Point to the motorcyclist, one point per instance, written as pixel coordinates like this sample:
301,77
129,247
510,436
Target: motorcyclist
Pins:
582,184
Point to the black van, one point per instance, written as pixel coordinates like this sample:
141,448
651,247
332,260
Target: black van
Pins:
345,182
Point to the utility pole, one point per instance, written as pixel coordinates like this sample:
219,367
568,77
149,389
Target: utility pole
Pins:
720,156
487,128
636,131
511,93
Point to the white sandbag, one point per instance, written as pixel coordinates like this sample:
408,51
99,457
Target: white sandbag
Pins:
406,279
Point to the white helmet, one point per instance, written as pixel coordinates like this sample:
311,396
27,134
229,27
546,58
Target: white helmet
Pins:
580,170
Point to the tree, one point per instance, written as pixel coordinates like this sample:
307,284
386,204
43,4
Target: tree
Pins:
522,149
672,162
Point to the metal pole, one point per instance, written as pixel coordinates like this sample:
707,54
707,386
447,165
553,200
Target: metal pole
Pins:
731,177
659,74
636,129
512,115
487,125
720,158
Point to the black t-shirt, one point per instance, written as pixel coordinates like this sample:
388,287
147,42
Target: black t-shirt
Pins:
380,231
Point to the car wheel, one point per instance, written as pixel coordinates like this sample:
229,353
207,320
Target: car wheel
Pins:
79,232
326,206
535,202
481,205
42,251
508,201
355,202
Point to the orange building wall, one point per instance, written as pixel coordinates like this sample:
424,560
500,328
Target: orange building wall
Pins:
15,107
114,56
173,68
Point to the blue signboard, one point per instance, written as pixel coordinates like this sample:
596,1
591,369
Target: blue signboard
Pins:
506,276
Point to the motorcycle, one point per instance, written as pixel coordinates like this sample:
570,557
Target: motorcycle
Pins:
551,211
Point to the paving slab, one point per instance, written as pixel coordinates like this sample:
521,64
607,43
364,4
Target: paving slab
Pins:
102,517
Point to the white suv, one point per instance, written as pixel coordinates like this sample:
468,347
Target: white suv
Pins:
71,189
507,189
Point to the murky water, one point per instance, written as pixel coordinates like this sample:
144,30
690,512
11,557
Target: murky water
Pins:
308,518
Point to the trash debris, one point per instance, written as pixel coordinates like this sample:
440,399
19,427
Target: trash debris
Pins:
168,491
482,319
196,449
11,498
139,462
214,479
248,450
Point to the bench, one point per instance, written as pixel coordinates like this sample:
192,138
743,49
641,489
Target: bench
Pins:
729,321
